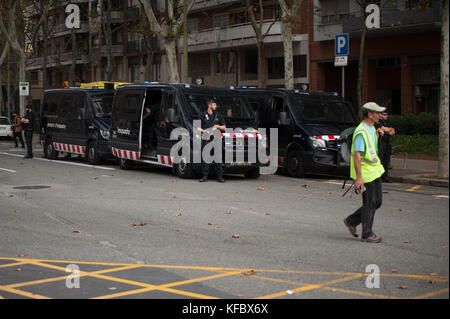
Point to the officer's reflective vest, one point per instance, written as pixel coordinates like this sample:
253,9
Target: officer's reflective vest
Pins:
371,167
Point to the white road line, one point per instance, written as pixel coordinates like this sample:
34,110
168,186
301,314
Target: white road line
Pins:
7,170
441,196
63,162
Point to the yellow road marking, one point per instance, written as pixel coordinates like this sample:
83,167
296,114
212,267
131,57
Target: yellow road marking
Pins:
412,189
13,264
22,293
431,294
310,287
359,293
82,274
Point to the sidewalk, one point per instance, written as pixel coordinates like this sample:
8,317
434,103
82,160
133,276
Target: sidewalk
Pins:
412,171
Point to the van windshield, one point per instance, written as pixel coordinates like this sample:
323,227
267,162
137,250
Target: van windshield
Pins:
328,109
4,121
102,104
233,108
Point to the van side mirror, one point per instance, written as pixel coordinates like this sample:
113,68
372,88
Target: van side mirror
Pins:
171,116
283,119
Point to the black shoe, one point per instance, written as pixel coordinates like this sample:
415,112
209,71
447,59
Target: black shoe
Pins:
386,180
351,228
204,179
16,146
28,156
220,180
23,146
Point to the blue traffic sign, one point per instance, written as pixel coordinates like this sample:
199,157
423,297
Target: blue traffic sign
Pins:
341,44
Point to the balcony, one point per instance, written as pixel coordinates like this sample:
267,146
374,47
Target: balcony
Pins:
133,12
234,35
209,4
392,20
56,60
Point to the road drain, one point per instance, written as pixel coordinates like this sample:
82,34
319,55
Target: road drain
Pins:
30,187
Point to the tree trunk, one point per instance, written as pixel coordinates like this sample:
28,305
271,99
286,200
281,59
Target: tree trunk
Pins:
22,78
360,67
288,55
262,74
444,110
3,57
171,56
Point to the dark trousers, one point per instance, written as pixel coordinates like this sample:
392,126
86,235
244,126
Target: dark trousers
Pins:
385,152
218,167
18,135
372,200
29,141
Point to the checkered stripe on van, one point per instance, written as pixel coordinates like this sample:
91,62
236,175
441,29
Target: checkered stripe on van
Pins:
165,160
69,148
125,154
328,137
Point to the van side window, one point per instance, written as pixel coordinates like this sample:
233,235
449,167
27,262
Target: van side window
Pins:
68,106
310,107
53,104
132,103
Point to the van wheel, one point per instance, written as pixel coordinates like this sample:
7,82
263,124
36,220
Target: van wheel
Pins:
125,163
184,169
92,156
49,150
294,164
253,173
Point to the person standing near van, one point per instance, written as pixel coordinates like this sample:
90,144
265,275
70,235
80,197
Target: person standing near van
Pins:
366,169
212,120
28,125
17,129
384,147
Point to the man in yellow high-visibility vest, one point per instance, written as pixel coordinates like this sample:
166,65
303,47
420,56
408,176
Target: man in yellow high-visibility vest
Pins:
366,169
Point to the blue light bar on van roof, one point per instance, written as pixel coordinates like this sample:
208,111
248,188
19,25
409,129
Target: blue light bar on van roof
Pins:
95,88
297,91
232,87
146,82
335,94
244,86
187,86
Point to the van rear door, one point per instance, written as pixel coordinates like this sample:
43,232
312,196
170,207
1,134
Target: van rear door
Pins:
126,126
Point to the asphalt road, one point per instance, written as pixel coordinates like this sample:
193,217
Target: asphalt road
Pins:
146,233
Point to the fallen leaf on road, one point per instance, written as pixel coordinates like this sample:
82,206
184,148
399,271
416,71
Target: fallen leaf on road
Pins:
166,190
22,255
249,273
77,231
179,230
210,224
386,192
400,209
306,186
96,177
260,188
19,269
236,236
219,226
300,198
229,212
394,270
179,214
267,214
407,242
402,287
17,211
174,196
432,281
139,224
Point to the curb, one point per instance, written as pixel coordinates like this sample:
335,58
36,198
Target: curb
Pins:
420,181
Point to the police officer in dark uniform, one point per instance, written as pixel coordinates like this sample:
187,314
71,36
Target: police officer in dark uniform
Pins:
212,120
28,125
385,131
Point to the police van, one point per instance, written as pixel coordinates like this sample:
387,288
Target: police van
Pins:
134,139
77,121
309,126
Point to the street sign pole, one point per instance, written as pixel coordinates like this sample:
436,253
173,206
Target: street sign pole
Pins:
341,52
343,81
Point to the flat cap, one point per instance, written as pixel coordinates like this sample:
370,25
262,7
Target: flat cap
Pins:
374,107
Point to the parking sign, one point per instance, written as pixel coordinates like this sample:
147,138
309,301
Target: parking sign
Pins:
341,44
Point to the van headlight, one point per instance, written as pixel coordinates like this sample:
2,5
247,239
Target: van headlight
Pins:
105,134
317,142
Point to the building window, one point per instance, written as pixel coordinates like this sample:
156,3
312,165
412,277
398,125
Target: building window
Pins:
276,67
199,65
300,66
220,20
192,25
226,62
251,61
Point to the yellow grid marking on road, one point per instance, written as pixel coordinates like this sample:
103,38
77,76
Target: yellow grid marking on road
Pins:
22,293
309,287
359,293
223,272
13,264
431,294
178,283
131,282
412,189
82,274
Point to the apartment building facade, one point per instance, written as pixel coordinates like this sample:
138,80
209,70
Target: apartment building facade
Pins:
401,65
